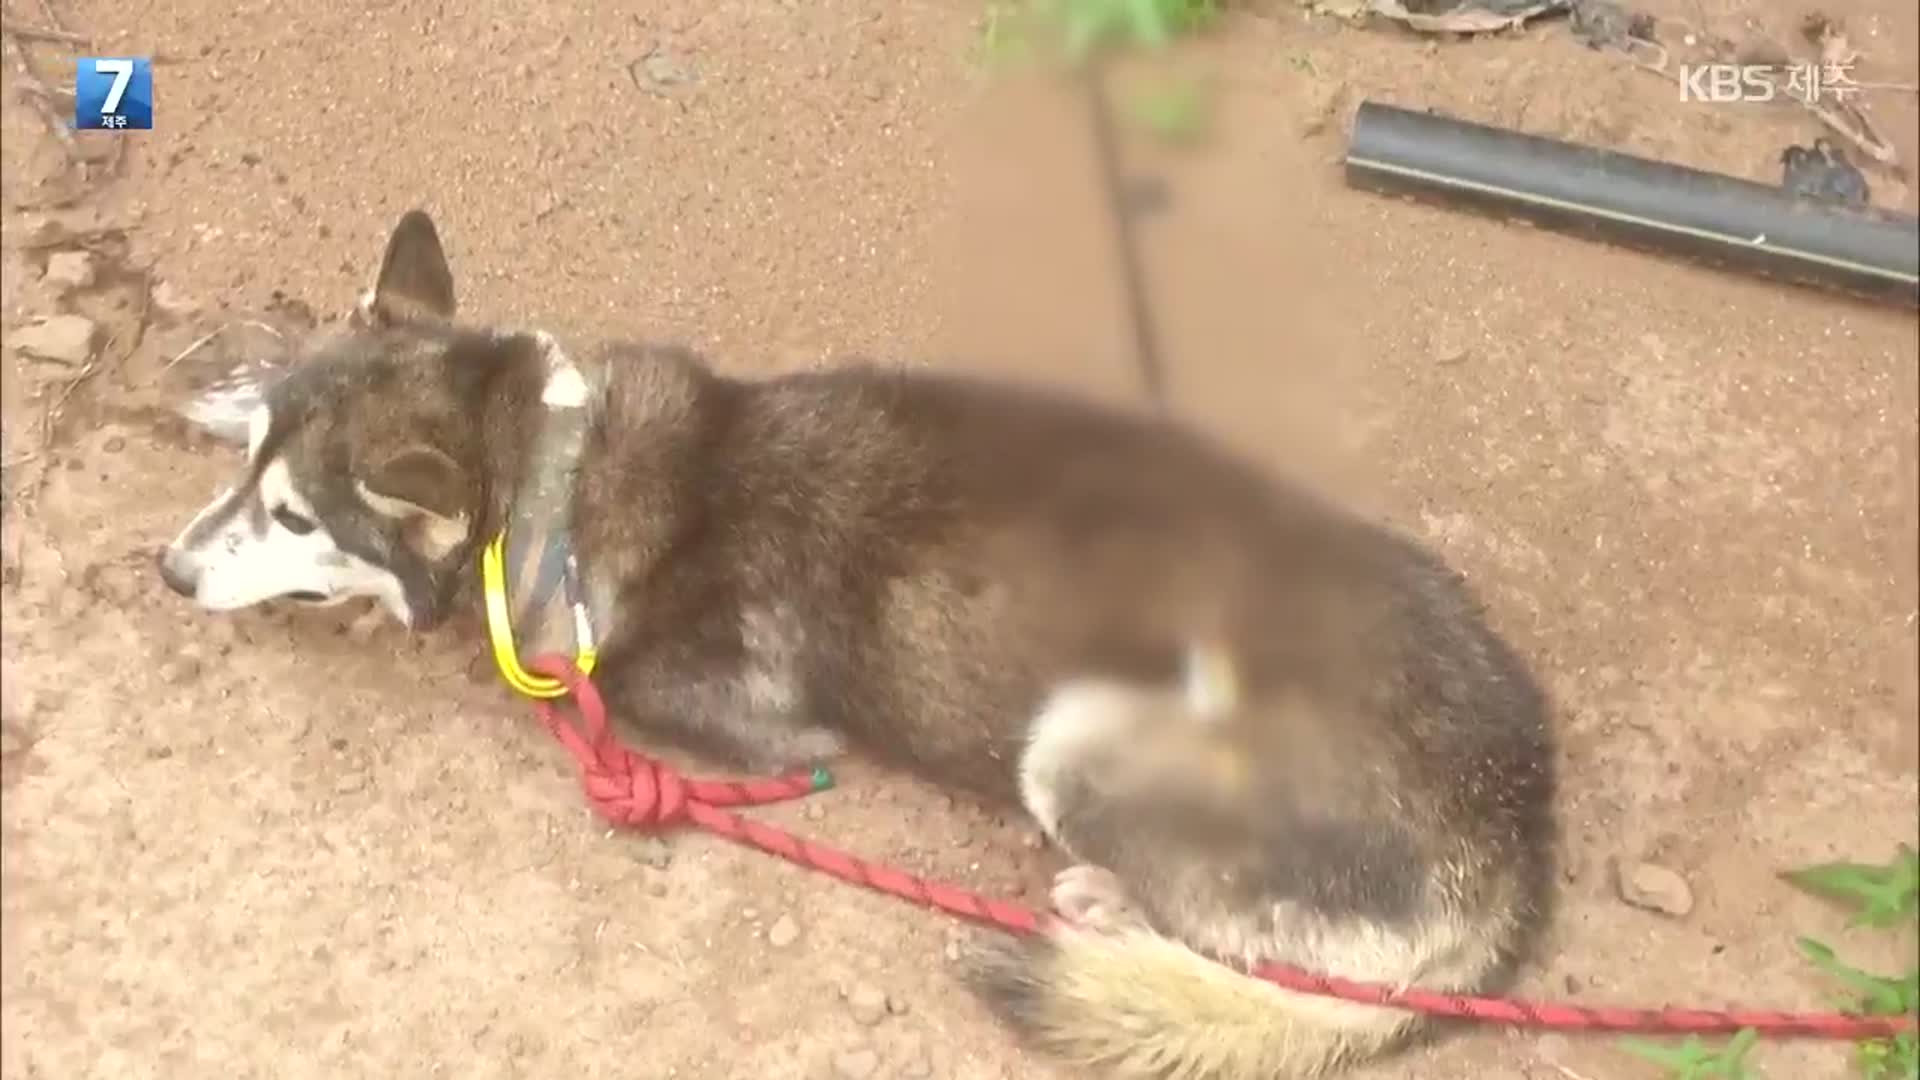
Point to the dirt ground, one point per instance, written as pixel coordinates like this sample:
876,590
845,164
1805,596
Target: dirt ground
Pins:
278,845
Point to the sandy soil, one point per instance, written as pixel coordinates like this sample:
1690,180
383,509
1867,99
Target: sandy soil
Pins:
275,845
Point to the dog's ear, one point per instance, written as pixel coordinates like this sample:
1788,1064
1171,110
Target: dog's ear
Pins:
224,408
414,281
226,376
427,492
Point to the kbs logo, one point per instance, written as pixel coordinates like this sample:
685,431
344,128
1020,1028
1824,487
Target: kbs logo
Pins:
1723,83
113,93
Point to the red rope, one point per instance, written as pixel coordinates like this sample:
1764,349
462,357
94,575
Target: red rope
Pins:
632,790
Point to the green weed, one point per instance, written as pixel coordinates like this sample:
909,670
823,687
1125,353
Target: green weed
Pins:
1075,32
1880,897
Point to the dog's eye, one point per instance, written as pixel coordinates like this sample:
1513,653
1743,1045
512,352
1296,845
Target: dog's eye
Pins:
293,522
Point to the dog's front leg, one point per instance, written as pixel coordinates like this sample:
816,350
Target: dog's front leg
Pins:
734,714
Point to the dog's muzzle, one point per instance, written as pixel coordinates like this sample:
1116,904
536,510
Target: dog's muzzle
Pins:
181,579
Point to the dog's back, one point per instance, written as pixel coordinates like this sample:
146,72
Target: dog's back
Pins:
1002,588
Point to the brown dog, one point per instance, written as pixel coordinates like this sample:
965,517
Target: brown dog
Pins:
1265,729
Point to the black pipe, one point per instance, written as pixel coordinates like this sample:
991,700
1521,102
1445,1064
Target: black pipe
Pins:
1863,250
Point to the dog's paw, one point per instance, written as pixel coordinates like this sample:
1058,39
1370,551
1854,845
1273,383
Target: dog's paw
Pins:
1094,899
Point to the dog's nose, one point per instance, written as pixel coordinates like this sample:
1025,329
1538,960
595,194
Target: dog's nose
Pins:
181,583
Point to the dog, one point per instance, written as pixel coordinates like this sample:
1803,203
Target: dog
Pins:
1263,729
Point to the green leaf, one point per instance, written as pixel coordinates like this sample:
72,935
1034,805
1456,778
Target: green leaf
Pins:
1880,995
1880,896
1079,28
1147,22
1694,1060
1176,113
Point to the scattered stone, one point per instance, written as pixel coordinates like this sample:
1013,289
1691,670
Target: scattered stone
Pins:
896,1005
867,1003
1605,23
350,783
167,300
1449,350
855,1064
783,932
655,853
114,444
1652,887
65,228
813,811
663,70
69,270
917,1068
62,339
180,670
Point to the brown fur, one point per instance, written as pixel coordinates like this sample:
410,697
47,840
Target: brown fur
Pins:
921,566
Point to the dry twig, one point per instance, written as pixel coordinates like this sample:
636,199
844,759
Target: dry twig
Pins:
37,33
41,96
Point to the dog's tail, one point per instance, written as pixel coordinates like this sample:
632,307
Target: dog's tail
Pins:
1138,1006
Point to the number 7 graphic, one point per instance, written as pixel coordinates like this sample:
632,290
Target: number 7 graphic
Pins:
113,93
122,72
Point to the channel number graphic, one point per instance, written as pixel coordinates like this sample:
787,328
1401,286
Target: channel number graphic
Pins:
113,93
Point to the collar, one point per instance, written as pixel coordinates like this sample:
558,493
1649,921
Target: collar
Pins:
536,602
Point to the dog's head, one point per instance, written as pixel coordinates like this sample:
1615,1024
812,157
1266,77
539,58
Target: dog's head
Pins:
366,473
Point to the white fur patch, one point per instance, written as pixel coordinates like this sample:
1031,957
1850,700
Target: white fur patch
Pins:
252,556
1077,717
259,422
226,410
1212,682
565,388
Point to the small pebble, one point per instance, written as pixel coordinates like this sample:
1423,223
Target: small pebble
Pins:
916,1069
179,670
1652,887
856,1064
167,300
62,339
868,1004
655,853
783,932
69,270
